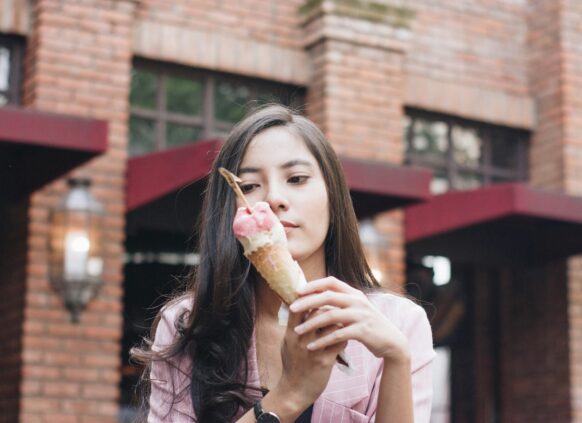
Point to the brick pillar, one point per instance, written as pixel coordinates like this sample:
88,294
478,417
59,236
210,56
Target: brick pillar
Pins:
78,63
356,93
556,155
571,36
534,345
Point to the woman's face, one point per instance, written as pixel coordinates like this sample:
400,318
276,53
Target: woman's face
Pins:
278,168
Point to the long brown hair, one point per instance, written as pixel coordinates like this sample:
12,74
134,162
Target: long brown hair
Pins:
217,333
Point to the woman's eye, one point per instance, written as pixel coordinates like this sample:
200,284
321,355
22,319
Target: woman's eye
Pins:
298,179
246,188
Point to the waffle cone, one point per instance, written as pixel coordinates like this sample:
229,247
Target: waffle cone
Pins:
277,267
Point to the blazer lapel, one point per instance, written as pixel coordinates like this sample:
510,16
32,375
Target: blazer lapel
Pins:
350,387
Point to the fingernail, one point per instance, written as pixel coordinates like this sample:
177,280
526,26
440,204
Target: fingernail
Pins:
311,346
294,307
299,329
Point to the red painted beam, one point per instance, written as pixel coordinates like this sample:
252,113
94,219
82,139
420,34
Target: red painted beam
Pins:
387,179
461,209
34,128
38,147
154,175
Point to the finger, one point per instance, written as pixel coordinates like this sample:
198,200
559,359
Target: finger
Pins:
327,298
334,317
325,284
337,348
337,336
294,320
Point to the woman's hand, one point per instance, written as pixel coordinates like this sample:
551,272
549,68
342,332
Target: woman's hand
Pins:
305,373
352,315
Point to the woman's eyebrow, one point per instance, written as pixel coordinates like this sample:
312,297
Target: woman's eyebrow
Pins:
295,162
248,170
286,165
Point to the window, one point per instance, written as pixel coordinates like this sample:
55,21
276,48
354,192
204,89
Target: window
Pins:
11,49
172,106
464,154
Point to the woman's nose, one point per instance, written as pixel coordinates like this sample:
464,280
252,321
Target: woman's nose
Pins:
277,198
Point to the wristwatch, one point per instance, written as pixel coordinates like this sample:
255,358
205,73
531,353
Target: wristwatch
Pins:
265,416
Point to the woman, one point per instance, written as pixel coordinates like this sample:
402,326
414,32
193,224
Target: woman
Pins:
219,353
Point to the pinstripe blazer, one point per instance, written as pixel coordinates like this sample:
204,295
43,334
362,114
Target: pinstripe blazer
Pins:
348,398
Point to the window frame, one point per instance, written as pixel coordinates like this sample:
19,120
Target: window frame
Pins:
486,171
210,126
15,44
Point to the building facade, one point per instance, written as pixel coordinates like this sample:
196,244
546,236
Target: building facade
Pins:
480,92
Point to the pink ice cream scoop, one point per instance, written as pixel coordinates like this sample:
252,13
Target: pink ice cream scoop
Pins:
263,237
261,219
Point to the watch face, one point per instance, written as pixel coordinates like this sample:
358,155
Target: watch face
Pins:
268,418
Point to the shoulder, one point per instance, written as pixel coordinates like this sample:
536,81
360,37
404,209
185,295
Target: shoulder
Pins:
411,319
177,306
174,310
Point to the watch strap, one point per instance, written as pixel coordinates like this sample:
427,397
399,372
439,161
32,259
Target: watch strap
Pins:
258,408
262,416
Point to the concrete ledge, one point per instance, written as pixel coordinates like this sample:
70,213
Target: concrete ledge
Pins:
475,103
220,51
355,31
15,17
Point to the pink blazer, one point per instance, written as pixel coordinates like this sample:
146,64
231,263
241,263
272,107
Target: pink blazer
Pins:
347,398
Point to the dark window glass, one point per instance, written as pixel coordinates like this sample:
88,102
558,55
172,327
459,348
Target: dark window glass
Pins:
4,74
184,96
144,88
467,146
429,140
267,97
504,152
172,105
463,180
464,154
11,51
231,101
141,136
177,134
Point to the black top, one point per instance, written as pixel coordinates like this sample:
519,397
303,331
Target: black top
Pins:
306,416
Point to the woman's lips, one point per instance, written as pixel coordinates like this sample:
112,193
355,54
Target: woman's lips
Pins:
288,226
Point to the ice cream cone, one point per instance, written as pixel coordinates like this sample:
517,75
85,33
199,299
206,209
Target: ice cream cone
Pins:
277,267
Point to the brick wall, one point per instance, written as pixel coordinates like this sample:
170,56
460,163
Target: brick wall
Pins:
468,58
13,244
471,42
271,21
78,62
251,37
546,151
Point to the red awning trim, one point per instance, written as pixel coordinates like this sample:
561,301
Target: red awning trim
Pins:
461,209
154,175
387,179
376,186
31,127
38,147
